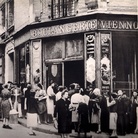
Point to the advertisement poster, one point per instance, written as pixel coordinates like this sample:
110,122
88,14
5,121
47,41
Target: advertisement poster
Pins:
90,58
105,61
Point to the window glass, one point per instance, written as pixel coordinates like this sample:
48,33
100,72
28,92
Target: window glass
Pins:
62,8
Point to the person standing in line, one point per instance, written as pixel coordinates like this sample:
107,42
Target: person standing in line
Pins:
62,115
95,110
58,94
17,99
31,109
50,100
112,105
120,114
133,112
41,101
6,105
75,100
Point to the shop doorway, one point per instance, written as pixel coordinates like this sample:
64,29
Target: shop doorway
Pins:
54,74
74,72
125,62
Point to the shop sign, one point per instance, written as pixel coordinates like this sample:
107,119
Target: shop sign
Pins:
105,61
36,59
90,59
76,27
83,26
116,24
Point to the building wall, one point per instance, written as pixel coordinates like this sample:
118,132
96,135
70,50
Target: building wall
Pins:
21,13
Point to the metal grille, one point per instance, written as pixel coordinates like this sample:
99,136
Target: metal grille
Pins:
63,8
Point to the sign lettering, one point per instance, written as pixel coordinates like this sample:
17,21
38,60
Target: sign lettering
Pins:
83,26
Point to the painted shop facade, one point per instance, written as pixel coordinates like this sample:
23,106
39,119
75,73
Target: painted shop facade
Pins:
98,49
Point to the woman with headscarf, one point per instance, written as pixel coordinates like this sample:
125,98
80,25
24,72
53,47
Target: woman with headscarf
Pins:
62,115
6,105
95,110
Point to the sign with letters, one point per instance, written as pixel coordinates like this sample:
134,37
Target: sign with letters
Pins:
83,26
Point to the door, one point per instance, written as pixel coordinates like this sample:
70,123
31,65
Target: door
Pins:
54,73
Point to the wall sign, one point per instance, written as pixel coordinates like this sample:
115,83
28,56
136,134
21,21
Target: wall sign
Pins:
62,29
105,61
89,56
36,64
83,26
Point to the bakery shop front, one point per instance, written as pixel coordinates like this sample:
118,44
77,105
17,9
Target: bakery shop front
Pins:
98,50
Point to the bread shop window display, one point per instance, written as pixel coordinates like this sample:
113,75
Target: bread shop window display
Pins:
24,64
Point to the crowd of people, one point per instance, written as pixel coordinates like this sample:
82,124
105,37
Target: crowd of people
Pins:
71,109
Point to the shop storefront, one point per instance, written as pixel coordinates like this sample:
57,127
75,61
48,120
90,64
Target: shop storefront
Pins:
99,49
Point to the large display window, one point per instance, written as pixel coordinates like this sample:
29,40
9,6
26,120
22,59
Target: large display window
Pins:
24,64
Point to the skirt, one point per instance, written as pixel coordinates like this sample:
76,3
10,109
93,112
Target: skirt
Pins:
113,121
6,107
75,113
95,118
31,119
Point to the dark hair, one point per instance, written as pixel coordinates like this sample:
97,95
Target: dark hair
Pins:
60,88
72,86
63,92
40,86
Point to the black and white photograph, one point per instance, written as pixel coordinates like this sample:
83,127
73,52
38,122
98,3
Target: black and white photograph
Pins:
69,68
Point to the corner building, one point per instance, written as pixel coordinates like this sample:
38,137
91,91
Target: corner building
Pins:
83,41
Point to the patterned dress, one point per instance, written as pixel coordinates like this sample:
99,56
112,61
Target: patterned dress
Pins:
6,107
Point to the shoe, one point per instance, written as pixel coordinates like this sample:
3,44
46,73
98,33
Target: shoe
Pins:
8,127
98,132
32,134
4,126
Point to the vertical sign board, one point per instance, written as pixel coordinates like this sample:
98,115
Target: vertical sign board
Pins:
89,59
36,58
106,57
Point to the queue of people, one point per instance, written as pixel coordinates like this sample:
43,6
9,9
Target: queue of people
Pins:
71,109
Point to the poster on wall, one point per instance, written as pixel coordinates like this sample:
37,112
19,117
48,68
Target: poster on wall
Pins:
36,64
90,59
105,61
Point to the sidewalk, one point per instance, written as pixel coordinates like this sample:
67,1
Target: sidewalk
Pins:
51,130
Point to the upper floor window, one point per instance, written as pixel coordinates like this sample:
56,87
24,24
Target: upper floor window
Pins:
10,12
3,16
62,8
7,14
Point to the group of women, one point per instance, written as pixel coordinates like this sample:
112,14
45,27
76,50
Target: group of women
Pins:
76,109
90,110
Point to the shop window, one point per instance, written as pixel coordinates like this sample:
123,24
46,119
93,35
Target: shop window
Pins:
62,8
74,48
24,63
0,69
54,49
3,16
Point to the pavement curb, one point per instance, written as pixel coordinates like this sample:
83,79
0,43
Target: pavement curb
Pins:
49,131
39,129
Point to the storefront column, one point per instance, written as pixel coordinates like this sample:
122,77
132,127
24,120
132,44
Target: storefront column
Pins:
98,61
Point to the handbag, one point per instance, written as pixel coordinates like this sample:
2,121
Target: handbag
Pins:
41,107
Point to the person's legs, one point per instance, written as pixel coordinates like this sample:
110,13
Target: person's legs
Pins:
31,132
19,110
4,122
7,124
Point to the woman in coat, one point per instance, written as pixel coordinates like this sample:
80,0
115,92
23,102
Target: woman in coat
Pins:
62,115
133,112
31,109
